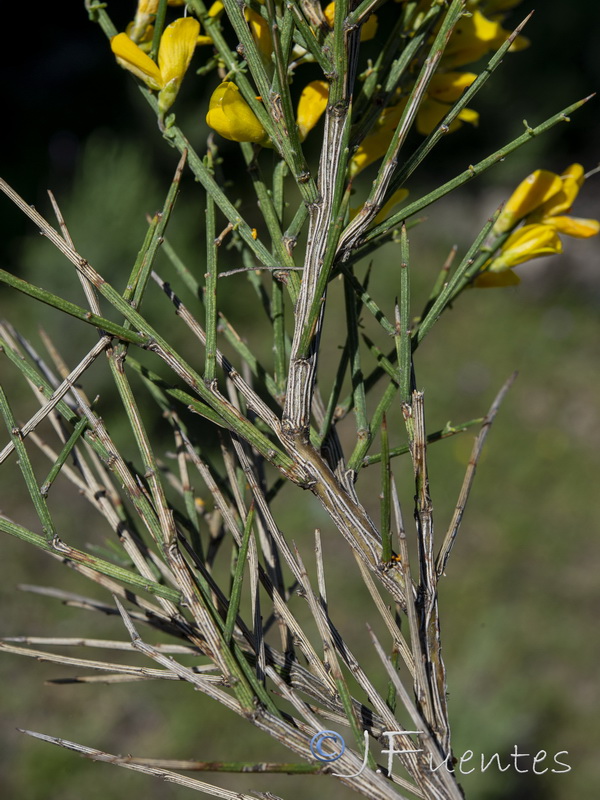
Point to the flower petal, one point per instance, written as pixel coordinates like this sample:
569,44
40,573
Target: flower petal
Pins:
575,226
261,33
529,195
431,113
468,115
572,180
329,13
448,86
177,45
130,57
142,26
216,9
311,105
231,116
526,243
369,29
373,147
473,37
376,143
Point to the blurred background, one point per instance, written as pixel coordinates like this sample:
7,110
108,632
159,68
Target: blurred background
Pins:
521,598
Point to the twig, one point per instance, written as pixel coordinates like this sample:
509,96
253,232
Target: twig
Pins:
119,761
449,539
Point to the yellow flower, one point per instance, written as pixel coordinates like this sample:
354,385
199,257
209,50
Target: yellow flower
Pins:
231,116
561,200
368,30
544,198
541,201
574,226
524,244
553,210
311,105
376,143
529,194
177,45
130,57
259,28
448,86
216,9
141,28
474,36
443,89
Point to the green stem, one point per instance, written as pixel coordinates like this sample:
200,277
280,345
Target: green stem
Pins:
367,300
63,455
210,293
403,338
38,499
383,231
153,341
442,128
159,26
362,446
445,432
356,373
386,512
238,578
449,291
334,394
101,323
58,548
309,39
266,203
165,390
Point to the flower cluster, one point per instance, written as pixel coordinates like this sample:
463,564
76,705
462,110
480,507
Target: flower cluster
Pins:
231,115
177,45
176,49
444,89
541,203
532,220
474,36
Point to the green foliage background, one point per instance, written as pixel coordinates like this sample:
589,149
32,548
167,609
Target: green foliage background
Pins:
520,603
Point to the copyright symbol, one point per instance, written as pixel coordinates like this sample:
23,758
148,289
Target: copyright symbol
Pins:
336,742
